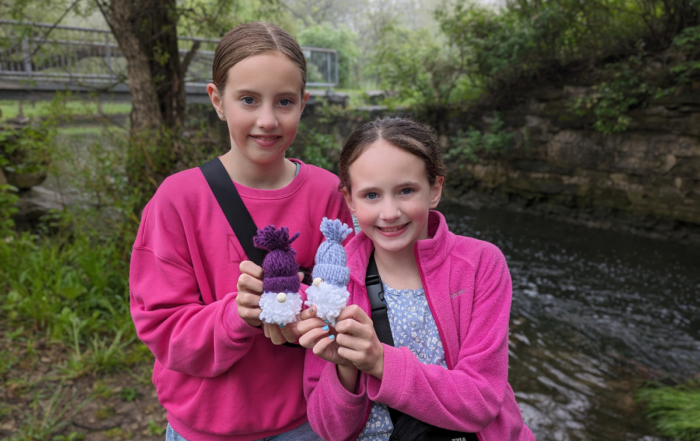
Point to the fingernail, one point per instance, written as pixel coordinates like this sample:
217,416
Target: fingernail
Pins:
325,328
327,321
281,326
332,337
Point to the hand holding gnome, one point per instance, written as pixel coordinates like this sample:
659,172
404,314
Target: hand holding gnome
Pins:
329,294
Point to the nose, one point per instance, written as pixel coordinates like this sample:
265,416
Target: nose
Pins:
267,119
390,210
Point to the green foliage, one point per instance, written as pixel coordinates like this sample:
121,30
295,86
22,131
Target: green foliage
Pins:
468,145
527,39
675,411
314,147
154,428
688,42
50,417
343,40
626,88
128,394
424,72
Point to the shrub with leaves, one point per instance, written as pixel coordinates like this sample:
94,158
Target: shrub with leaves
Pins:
626,88
467,145
674,410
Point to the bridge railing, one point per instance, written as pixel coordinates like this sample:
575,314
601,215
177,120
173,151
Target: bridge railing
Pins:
42,52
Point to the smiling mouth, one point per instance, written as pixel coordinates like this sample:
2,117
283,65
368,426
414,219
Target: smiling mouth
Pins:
266,137
392,229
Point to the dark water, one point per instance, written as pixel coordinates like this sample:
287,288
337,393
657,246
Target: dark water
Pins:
594,314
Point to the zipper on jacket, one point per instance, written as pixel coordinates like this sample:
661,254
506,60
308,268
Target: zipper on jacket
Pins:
437,321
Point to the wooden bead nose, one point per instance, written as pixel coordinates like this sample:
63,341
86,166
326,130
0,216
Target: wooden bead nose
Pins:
317,282
281,297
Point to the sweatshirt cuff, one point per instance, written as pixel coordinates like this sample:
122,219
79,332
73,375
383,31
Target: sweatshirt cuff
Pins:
236,328
389,389
338,390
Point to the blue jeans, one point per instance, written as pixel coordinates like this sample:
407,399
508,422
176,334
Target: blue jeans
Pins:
301,433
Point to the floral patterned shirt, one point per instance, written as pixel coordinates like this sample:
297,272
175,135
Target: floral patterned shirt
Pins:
412,326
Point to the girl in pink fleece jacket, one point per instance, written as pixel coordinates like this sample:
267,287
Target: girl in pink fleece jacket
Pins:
448,300
217,373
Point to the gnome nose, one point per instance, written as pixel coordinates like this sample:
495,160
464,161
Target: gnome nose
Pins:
318,281
281,297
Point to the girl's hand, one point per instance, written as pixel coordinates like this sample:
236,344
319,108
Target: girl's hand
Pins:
318,335
358,342
250,288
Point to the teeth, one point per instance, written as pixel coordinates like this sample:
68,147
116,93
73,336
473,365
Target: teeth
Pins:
389,230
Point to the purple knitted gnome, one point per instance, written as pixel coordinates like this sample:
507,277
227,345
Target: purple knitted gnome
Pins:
280,302
329,293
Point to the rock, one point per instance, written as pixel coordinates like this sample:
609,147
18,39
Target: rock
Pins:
24,181
35,203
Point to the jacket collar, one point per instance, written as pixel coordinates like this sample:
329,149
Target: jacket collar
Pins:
432,251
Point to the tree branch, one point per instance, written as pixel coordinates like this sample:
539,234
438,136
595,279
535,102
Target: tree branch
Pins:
188,58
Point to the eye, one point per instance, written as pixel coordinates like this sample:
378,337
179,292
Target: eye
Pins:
406,191
286,102
248,100
371,196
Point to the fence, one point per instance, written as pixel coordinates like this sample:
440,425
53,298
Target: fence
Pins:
45,53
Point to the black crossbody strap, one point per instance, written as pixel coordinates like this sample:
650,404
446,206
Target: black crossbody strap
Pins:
233,207
375,292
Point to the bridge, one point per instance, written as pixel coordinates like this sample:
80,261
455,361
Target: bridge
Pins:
39,59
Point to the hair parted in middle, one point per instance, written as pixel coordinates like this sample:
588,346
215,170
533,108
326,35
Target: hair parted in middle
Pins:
251,39
405,134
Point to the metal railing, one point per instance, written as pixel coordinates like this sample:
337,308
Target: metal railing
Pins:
41,52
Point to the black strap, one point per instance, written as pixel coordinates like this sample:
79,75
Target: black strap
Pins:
406,427
375,292
233,207
235,211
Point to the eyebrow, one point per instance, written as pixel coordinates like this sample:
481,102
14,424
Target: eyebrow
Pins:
254,92
403,184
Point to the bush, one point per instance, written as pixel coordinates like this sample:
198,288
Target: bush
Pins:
674,410
467,145
343,40
423,71
528,40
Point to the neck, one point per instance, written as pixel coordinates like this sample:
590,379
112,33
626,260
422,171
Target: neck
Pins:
272,176
398,269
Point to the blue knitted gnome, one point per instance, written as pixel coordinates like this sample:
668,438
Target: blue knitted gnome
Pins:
329,293
280,302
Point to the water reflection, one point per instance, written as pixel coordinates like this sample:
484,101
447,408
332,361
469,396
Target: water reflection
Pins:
594,314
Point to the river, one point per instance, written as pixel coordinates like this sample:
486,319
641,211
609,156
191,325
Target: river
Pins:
594,314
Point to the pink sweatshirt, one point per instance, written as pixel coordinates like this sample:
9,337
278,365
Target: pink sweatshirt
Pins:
218,377
468,287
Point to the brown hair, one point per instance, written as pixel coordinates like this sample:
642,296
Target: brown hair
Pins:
250,39
404,133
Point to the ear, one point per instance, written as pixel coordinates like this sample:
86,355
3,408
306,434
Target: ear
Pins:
436,191
348,200
305,98
216,99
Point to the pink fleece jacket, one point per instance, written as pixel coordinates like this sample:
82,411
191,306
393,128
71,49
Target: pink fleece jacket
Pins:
468,287
218,377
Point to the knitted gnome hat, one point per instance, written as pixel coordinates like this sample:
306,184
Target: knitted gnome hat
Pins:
331,260
280,269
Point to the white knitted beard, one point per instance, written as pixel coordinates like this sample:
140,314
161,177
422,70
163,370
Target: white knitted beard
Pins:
274,312
328,300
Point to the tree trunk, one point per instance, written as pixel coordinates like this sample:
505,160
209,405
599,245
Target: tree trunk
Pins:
146,31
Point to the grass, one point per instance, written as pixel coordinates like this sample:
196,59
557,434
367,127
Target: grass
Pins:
674,410
31,109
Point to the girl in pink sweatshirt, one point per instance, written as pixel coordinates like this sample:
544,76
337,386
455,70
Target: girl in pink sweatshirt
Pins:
448,304
217,374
